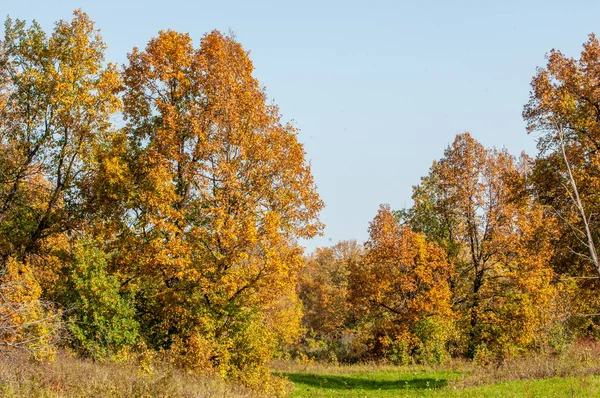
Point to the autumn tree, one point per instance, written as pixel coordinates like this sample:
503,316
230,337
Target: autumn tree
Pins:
523,311
563,109
203,195
401,287
469,213
56,99
468,204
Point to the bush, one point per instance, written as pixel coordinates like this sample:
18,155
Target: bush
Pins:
101,319
432,335
26,321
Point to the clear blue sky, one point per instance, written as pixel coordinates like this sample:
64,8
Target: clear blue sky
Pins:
378,88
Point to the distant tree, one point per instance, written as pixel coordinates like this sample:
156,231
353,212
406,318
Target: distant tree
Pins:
323,289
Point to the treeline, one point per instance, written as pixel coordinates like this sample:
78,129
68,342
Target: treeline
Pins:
497,256
153,207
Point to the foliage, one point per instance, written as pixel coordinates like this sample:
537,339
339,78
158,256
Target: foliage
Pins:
191,198
101,320
176,231
563,111
27,322
499,240
400,284
199,207
323,289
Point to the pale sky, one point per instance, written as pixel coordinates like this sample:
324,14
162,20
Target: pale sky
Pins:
378,88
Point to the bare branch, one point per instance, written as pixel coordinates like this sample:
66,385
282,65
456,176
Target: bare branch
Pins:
577,201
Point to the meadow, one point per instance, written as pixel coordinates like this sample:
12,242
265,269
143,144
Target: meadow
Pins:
435,384
575,373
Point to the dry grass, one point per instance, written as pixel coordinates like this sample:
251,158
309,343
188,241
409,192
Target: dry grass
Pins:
69,376
582,359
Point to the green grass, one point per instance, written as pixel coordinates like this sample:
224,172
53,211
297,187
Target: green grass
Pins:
583,386
375,384
380,384
433,384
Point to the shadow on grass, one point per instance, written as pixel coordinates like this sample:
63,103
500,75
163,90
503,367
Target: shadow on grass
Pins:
358,382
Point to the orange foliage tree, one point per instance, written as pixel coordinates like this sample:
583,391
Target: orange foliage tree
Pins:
564,109
402,287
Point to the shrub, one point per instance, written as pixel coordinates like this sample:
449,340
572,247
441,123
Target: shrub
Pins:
26,321
101,319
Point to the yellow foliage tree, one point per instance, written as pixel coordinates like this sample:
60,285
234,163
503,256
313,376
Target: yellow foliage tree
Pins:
203,195
58,97
474,202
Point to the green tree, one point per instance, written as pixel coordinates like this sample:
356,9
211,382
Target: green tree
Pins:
100,318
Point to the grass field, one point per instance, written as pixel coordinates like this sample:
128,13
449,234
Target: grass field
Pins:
576,373
434,384
72,377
